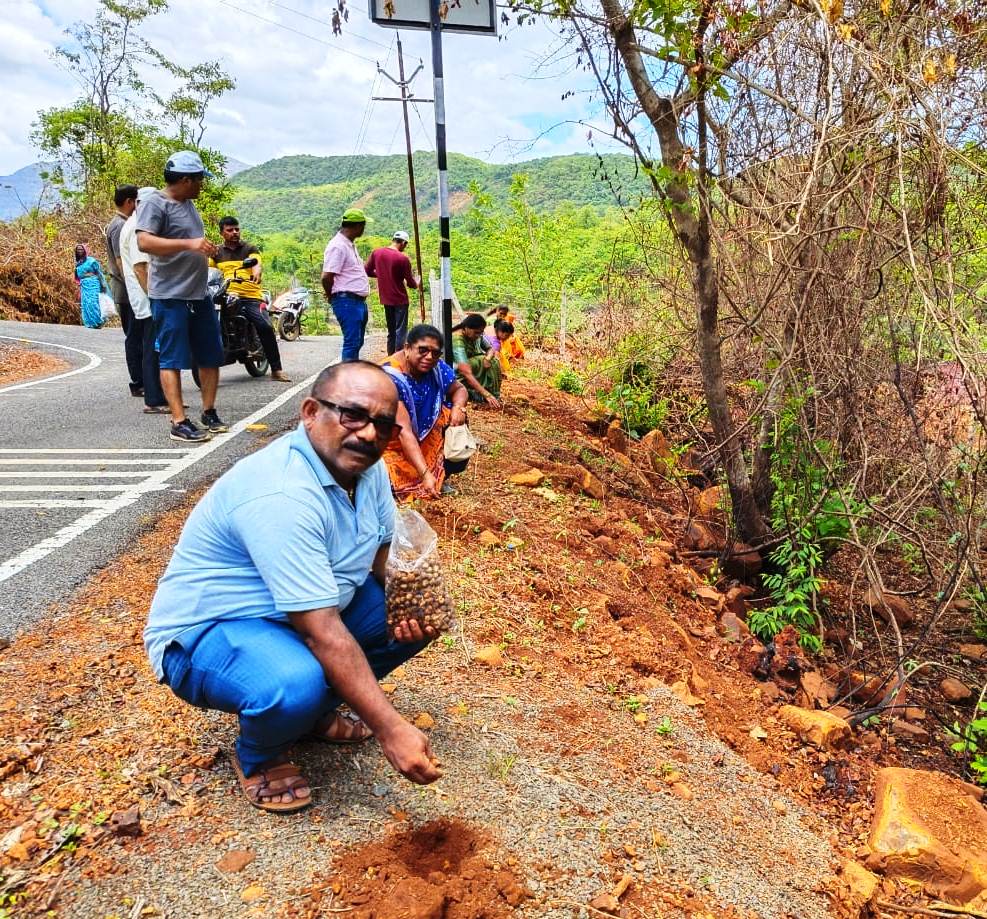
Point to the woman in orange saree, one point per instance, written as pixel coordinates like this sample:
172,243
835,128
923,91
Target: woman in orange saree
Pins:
430,400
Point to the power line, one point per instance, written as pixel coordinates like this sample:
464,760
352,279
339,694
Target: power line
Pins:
281,25
428,138
323,22
368,111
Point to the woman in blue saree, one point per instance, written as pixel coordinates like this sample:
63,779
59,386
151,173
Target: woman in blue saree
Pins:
89,276
430,401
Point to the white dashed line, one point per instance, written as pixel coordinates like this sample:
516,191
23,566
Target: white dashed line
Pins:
54,503
129,494
63,474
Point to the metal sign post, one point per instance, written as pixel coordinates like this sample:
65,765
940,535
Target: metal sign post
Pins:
438,16
445,247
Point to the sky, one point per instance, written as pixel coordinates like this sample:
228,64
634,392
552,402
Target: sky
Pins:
302,90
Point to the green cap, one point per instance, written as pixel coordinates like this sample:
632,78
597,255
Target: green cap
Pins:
354,215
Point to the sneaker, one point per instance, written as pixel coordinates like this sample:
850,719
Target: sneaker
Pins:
188,432
213,423
449,490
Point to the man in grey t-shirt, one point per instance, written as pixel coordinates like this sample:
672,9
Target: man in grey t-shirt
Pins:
170,230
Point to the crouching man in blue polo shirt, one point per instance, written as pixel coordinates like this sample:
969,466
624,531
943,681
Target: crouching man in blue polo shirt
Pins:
282,631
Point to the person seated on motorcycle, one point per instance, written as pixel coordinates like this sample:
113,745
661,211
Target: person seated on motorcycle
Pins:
247,289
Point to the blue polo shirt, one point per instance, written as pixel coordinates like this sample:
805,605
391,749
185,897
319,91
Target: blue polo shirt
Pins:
274,535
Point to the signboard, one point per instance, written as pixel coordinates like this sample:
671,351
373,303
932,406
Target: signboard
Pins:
471,16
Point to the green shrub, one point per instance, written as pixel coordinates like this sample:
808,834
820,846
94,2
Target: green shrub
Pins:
793,588
808,507
979,600
637,406
569,381
972,741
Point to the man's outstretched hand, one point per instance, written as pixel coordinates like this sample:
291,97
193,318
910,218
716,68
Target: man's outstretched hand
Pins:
407,749
408,630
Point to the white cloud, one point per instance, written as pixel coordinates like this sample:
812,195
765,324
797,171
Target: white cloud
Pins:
301,90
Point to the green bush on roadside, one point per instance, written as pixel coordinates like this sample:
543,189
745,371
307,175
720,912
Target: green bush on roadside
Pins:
567,380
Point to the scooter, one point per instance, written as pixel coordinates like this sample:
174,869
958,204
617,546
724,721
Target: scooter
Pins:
241,343
288,310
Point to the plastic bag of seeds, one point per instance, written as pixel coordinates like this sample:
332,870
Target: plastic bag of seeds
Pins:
414,585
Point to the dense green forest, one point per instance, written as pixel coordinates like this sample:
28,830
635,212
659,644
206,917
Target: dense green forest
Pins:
305,194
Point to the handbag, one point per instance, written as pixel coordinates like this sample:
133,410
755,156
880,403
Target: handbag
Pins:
107,309
460,444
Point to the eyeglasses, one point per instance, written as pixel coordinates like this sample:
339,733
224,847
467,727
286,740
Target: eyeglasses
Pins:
425,349
356,419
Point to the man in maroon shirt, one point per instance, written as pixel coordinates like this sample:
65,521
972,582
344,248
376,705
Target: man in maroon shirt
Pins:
392,269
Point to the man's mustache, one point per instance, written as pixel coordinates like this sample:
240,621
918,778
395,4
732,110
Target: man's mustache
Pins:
361,446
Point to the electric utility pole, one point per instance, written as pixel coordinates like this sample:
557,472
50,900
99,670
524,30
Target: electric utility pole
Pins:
406,96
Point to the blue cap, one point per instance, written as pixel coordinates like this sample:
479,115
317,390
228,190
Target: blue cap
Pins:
187,161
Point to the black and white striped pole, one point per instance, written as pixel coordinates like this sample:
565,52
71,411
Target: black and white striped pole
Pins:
478,17
445,247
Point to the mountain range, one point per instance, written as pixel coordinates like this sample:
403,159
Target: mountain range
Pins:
27,189
307,194
304,195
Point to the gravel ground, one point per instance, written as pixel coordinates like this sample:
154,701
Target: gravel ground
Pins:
556,815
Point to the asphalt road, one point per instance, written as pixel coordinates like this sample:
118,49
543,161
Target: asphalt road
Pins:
83,470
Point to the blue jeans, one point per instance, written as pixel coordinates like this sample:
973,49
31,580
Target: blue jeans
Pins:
261,670
352,315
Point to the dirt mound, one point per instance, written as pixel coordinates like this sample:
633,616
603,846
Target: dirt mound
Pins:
440,870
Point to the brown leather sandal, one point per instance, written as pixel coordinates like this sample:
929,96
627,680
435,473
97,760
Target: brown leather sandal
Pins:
341,728
262,784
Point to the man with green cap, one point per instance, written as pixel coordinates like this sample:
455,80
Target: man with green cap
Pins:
346,284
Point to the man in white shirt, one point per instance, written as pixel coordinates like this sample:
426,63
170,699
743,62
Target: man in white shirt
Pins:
134,263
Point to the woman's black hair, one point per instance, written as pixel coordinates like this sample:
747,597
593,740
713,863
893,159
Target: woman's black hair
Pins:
502,325
473,321
423,330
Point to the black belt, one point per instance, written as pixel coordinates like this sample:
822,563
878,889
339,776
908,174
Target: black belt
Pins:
349,293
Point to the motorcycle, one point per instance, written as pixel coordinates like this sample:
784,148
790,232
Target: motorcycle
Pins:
241,342
288,310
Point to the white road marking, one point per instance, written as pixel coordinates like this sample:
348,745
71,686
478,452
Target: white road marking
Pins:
155,481
30,461
14,451
57,486
94,361
19,451
73,475
53,502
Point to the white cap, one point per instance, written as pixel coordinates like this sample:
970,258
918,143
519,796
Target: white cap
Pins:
402,235
145,193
